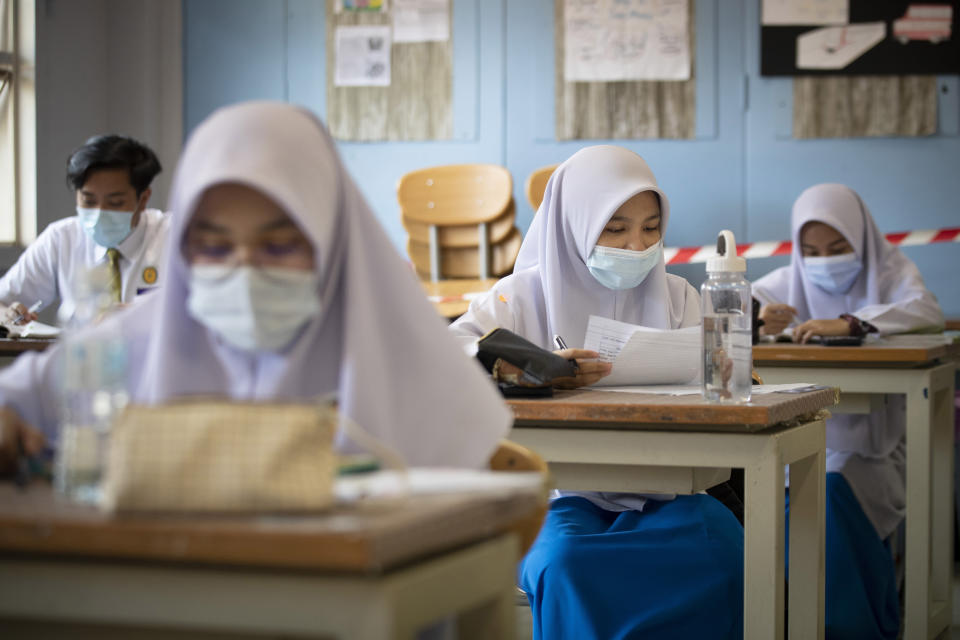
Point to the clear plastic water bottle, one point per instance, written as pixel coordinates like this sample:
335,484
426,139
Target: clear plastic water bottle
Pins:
93,392
726,309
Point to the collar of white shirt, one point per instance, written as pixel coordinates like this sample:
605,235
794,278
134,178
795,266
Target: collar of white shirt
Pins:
131,244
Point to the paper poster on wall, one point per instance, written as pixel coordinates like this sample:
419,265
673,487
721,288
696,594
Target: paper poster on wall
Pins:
880,37
613,40
421,20
837,47
362,55
375,6
805,12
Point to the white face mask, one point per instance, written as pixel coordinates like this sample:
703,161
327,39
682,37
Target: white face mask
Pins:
254,309
833,274
620,269
107,227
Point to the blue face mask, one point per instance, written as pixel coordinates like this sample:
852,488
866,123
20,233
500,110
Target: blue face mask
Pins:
620,269
833,274
107,228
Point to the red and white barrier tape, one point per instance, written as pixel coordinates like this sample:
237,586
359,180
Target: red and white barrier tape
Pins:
694,255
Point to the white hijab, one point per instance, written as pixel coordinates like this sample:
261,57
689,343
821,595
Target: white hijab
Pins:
888,276
551,281
377,342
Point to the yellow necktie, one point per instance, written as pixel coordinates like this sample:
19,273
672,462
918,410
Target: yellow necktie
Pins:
113,257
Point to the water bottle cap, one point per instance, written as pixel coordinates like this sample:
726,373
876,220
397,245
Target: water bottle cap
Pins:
726,258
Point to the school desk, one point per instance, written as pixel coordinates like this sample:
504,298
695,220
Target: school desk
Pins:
921,367
380,570
452,297
612,441
10,348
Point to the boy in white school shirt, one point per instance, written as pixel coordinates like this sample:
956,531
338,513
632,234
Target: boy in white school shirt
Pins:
111,177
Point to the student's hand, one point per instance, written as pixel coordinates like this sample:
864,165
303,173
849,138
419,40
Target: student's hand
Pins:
810,328
775,318
14,435
589,368
17,310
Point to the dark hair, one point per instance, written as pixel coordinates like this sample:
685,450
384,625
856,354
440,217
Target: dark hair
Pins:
113,152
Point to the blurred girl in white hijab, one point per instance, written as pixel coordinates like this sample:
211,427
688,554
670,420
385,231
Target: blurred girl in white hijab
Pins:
844,278
283,286
613,565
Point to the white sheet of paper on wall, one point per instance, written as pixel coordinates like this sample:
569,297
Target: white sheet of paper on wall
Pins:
805,12
614,40
362,56
421,20
837,47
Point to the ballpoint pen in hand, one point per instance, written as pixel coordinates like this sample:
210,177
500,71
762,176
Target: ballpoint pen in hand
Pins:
33,309
557,340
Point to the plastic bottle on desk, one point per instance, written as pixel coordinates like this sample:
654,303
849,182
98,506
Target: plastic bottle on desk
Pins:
727,325
93,392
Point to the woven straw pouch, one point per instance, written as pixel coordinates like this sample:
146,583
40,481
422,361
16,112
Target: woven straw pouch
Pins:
221,456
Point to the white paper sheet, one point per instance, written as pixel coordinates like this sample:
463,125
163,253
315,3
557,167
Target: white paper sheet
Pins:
612,40
35,329
693,390
644,356
805,12
837,47
362,56
421,20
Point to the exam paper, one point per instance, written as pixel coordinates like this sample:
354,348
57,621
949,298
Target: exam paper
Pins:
693,389
643,356
35,329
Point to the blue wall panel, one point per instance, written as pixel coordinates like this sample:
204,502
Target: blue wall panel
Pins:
742,171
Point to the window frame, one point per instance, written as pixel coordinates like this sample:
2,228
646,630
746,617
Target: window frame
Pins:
19,62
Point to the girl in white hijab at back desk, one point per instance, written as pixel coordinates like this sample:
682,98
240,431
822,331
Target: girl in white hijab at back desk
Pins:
844,278
613,565
282,285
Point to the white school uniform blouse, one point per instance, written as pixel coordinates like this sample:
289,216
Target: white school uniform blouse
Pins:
47,268
869,450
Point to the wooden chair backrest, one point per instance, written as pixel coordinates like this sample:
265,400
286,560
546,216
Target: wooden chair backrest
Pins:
461,194
463,235
463,262
511,456
537,184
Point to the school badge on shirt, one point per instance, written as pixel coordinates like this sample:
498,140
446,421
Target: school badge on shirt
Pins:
150,275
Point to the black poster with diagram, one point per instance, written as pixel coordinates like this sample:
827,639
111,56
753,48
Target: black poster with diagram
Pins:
859,37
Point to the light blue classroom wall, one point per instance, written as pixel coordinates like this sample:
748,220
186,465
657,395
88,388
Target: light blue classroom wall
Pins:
742,171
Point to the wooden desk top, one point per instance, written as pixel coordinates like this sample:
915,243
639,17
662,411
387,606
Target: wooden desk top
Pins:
448,298
901,351
14,347
367,537
613,409
953,324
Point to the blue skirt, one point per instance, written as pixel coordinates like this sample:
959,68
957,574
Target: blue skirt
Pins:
861,582
674,570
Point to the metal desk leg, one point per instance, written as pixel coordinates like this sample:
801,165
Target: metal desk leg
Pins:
929,561
763,546
807,546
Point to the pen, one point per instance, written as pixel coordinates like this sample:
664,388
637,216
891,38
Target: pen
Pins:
557,340
33,309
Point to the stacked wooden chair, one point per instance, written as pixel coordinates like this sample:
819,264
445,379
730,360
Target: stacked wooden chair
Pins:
460,220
